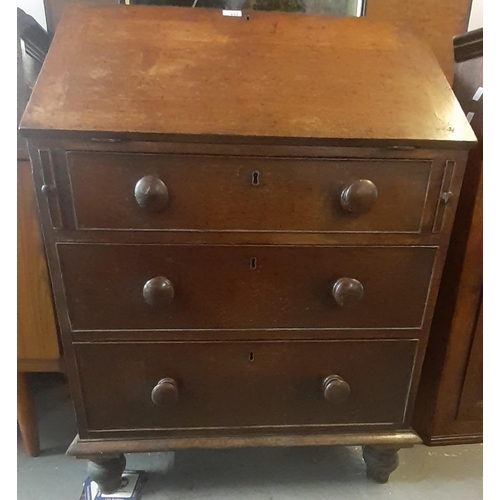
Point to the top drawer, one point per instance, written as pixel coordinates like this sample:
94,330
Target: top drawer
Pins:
220,193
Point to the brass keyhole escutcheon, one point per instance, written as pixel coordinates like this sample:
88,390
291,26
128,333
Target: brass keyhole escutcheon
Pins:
255,178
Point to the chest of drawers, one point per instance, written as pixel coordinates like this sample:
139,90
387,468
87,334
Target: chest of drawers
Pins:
245,221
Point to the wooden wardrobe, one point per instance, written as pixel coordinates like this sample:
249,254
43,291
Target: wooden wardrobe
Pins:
449,407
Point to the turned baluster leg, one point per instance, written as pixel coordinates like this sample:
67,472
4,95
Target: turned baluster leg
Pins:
106,471
380,462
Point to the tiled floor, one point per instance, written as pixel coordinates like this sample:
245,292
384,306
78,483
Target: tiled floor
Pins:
254,474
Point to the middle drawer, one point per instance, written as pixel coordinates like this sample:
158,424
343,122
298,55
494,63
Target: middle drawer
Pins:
134,287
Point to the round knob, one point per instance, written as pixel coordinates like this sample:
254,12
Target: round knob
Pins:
165,392
347,292
359,197
158,291
335,389
151,193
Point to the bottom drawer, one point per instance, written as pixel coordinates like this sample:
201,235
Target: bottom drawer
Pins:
221,385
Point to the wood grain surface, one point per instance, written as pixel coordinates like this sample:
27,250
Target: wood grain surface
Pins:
36,326
193,72
436,23
246,194
81,447
240,384
216,287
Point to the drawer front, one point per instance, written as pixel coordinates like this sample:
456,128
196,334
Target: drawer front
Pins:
244,384
194,192
118,287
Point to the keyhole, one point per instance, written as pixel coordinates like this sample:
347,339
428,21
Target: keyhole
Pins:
253,263
255,178
251,357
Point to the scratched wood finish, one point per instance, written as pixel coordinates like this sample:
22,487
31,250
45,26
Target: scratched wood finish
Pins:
221,287
246,193
436,23
227,384
193,72
37,343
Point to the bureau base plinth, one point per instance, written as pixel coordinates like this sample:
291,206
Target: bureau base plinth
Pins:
379,448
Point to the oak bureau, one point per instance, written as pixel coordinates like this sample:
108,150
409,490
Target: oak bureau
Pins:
246,220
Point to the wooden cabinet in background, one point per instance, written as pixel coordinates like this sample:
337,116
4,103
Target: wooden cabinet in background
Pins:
37,344
449,407
37,339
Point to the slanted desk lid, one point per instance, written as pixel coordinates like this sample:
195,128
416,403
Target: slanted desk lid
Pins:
195,75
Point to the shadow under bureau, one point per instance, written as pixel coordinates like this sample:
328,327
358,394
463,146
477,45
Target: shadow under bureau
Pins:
246,221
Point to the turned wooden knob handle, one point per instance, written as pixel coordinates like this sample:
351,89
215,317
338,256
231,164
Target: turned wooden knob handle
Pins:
165,392
151,193
335,389
359,197
347,292
158,291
